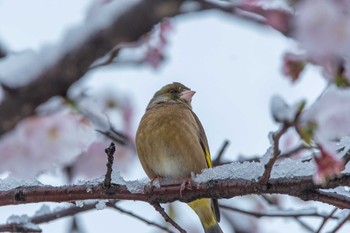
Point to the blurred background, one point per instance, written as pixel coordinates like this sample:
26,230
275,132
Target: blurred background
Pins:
235,68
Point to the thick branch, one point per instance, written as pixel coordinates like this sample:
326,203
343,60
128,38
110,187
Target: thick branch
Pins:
301,187
73,64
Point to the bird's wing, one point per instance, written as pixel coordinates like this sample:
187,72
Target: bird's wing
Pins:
204,144
203,141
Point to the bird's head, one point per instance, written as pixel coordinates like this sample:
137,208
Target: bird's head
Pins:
172,93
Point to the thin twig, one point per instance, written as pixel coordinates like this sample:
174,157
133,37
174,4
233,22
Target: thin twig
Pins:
115,135
325,220
234,224
276,152
166,217
54,215
340,224
218,160
346,156
110,154
109,58
304,224
296,218
253,13
280,213
112,205
291,152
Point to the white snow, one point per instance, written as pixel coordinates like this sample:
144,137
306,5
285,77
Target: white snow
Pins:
11,182
79,204
24,221
44,209
18,70
137,186
281,111
341,190
101,205
286,212
235,170
344,145
17,219
288,168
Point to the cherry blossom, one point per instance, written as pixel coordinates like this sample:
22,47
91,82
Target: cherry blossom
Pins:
39,143
293,65
323,27
328,166
331,116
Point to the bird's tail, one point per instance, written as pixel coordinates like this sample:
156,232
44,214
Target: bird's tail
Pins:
204,210
213,229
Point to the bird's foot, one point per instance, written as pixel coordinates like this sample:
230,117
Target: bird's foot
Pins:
187,183
155,182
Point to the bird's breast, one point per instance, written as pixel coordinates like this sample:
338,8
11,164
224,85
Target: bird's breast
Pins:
168,144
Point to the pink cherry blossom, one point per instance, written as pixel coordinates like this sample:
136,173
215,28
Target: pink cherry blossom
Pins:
331,114
322,27
328,166
40,143
293,65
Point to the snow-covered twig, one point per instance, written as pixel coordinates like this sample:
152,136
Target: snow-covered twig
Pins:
264,179
110,157
301,186
48,216
74,60
278,19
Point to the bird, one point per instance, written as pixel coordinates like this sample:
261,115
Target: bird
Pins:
171,143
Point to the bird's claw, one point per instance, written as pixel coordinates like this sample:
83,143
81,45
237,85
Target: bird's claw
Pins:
185,184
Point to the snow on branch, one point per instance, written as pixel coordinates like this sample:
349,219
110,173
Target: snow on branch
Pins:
57,68
80,49
225,181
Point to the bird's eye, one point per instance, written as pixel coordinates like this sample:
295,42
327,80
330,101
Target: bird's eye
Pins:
172,91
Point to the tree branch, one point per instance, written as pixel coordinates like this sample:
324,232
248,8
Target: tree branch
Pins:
341,223
73,64
299,186
110,157
276,152
329,216
112,205
166,217
279,213
218,160
54,215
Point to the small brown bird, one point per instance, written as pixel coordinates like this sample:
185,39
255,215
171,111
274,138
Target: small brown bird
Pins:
171,142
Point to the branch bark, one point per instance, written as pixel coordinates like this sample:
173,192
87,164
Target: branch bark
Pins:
127,27
72,65
301,187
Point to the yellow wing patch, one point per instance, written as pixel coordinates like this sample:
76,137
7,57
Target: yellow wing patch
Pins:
207,158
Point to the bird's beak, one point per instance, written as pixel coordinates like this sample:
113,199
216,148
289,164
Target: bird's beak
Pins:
187,95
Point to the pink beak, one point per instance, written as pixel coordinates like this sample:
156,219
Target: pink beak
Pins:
187,95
